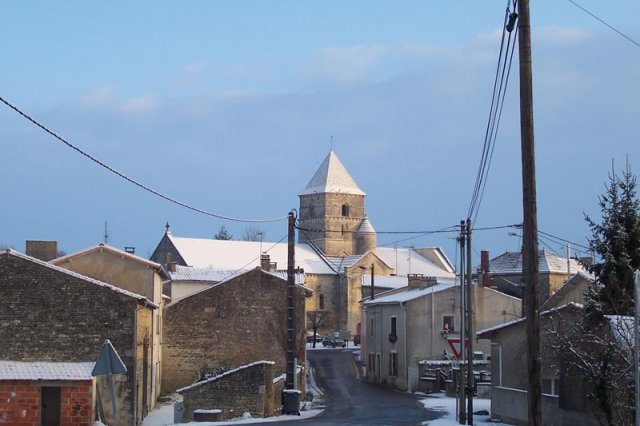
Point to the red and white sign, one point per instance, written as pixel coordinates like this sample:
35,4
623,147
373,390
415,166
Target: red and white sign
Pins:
454,344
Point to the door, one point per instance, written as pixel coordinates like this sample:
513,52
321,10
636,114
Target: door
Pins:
50,406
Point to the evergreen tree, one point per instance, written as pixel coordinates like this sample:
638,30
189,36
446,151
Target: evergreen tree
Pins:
616,241
223,234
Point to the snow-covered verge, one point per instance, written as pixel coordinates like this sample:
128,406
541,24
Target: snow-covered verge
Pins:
447,407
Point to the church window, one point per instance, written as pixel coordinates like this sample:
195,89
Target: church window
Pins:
345,210
321,302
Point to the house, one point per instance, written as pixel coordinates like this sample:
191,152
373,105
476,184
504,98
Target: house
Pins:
572,291
46,393
505,272
81,313
236,322
337,247
405,326
127,271
567,393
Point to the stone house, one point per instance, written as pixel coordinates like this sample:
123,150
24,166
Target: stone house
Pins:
34,393
336,248
505,272
564,399
81,313
137,275
233,323
406,326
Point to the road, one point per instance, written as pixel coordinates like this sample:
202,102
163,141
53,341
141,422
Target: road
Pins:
351,401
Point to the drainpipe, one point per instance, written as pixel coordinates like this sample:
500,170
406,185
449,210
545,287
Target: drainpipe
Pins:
134,395
406,364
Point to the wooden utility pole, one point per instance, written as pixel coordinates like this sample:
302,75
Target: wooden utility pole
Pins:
462,416
291,396
530,220
471,334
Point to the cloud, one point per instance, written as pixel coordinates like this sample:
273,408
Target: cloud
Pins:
556,36
97,98
139,104
346,65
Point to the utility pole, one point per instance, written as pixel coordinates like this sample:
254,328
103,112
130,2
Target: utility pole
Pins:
290,396
461,382
530,222
471,334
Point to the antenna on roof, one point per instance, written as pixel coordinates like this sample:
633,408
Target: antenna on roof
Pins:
331,145
106,234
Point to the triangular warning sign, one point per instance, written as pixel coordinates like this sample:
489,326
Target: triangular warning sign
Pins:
108,361
454,344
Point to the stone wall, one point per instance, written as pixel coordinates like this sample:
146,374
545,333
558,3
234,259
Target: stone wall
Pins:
248,388
49,315
228,325
20,402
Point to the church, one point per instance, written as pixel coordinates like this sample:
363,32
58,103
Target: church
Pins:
337,256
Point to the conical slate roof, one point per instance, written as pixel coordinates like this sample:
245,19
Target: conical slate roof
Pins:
366,227
332,177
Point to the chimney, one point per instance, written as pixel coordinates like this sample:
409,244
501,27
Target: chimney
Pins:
43,250
265,262
418,281
172,266
484,274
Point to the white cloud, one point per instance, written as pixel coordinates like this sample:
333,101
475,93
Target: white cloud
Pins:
346,64
139,104
560,36
97,98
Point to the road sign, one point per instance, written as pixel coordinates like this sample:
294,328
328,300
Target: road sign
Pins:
108,361
454,344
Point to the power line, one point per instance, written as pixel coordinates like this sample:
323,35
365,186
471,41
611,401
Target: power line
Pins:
582,246
131,180
603,22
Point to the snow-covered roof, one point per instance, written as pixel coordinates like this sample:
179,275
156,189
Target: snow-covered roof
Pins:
10,252
17,370
395,296
510,263
226,373
384,281
117,252
366,227
622,328
243,255
211,275
409,261
332,177
519,320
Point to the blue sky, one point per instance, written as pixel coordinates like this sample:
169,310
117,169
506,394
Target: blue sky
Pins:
230,106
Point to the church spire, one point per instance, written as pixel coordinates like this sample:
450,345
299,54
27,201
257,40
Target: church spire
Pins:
332,177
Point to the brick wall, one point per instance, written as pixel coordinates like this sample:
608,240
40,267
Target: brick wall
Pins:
20,403
248,389
49,315
229,325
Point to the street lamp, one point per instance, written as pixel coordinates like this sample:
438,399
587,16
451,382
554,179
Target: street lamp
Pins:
372,270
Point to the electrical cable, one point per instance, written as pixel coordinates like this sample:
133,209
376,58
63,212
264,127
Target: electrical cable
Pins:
131,180
603,22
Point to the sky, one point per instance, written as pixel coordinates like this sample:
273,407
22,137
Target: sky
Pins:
231,106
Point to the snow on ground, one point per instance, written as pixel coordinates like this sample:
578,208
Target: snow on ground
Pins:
447,407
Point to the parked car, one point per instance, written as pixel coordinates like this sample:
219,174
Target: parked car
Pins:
310,338
333,342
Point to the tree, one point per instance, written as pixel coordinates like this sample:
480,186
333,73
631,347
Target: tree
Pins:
252,233
616,240
223,234
315,320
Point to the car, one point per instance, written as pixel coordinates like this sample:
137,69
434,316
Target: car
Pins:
356,340
332,342
310,338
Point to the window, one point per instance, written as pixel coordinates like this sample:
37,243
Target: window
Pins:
393,326
448,324
393,364
345,210
372,362
321,302
551,386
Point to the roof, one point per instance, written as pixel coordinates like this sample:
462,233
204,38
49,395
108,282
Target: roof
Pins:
117,252
502,326
575,280
409,261
384,281
17,370
332,177
510,263
10,252
395,296
366,227
211,275
242,255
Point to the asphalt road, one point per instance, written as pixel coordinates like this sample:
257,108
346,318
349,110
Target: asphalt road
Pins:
350,401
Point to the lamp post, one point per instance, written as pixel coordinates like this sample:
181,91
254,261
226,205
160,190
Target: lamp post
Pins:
372,273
